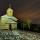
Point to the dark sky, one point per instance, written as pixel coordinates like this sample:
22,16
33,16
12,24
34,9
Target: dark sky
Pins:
23,9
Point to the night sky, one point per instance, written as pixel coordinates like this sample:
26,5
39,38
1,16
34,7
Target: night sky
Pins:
23,9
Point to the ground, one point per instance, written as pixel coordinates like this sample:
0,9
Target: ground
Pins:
19,35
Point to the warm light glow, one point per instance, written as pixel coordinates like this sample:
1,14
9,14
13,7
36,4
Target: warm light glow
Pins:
10,12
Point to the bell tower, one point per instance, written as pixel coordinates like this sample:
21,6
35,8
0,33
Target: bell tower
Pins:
9,11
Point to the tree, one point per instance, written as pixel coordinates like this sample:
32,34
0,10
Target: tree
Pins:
29,23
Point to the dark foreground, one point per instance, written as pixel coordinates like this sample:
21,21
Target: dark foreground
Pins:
18,35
